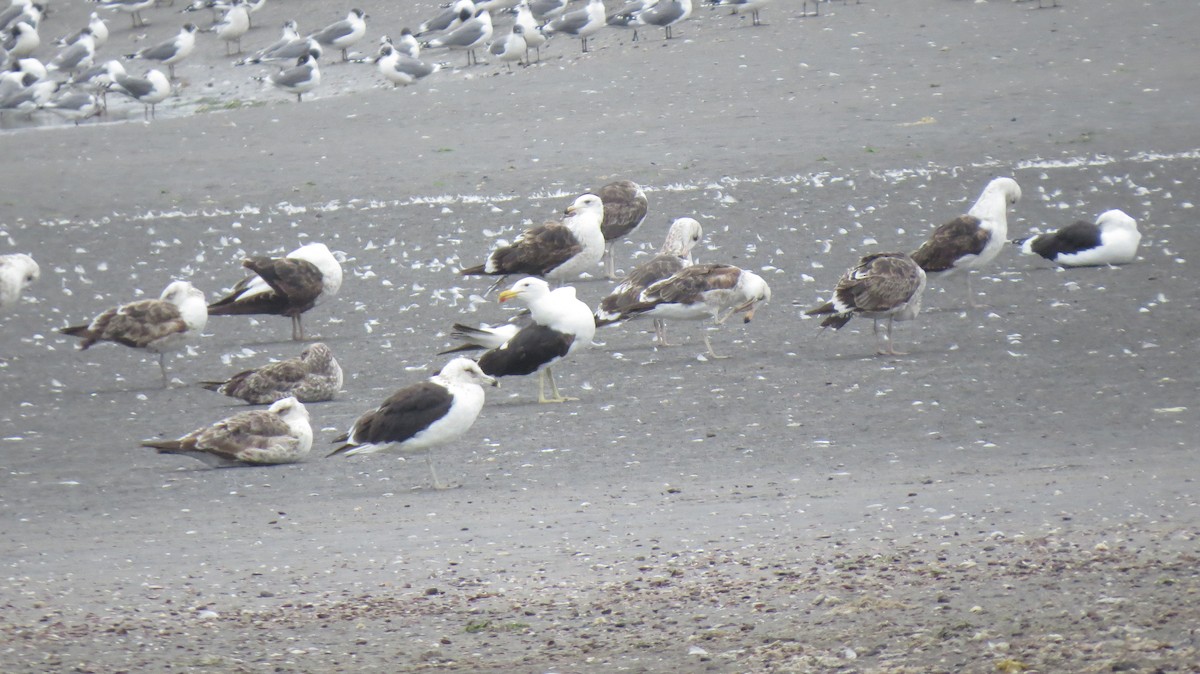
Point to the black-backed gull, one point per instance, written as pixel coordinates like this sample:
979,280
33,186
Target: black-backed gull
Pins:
561,325
557,251
972,240
421,416
284,286
1112,239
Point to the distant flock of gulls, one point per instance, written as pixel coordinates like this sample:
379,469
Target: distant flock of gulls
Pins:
555,326
76,81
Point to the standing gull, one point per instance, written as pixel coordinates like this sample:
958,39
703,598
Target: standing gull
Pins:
76,56
703,291
1112,239
675,254
314,376
408,45
96,27
744,6
882,285
234,25
625,207
74,105
159,326
17,272
625,16
531,30
450,16
421,416
150,90
972,240
131,7
21,41
280,434
511,47
581,23
171,51
556,250
561,325
665,14
284,286
300,78
474,32
343,34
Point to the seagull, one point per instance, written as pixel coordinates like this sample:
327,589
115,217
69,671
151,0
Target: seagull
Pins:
19,10
300,78
30,95
448,17
547,9
474,32
881,285
485,337
1112,239
98,80
972,240
76,106
343,34
284,286
21,41
96,27
289,47
581,23
665,13
172,51
17,272
702,291
76,56
743,6
234,25
531,31
675,254
625,207
132,7
561,325
408,45
556,250
421,416
280,434
511,47
150,90
625,16
313,376
399,68
160,326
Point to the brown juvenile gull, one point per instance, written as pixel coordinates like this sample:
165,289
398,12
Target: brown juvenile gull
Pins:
625,207
881,285
17,272
559,326
314,376
284,286
703,291
421,416
1112,239
972,240
279,434
557,251
675,254
159,326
